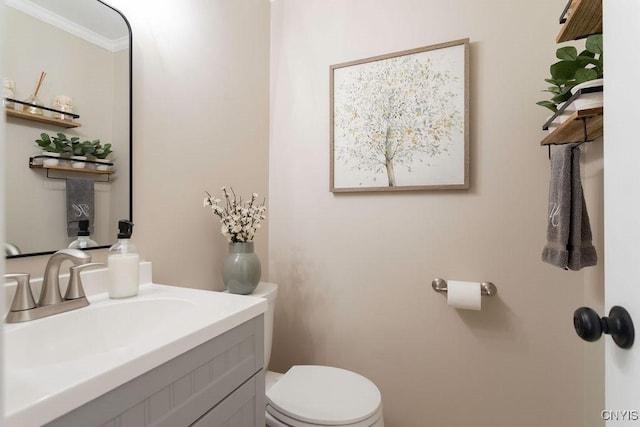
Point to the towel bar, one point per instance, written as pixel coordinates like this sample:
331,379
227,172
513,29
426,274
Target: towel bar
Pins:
486,288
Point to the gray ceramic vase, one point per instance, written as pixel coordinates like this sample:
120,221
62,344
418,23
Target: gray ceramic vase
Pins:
241,269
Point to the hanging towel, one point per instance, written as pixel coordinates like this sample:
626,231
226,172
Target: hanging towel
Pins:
80,204
569,236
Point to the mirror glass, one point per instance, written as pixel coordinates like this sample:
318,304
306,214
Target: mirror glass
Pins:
81,50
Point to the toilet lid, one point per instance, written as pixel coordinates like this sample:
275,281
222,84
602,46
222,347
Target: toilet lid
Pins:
324,395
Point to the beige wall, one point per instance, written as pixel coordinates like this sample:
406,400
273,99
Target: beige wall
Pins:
201,90
201,99
355,270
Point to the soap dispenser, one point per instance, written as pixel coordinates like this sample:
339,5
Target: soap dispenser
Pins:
83,241
123,263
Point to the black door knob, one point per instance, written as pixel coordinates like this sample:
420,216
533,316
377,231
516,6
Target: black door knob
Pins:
590,327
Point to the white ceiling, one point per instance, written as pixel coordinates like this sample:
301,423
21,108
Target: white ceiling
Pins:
88,19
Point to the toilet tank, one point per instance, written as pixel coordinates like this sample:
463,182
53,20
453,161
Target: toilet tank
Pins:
269,291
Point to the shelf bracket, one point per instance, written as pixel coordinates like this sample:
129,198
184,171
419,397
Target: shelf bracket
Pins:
565,13
585,131
569,102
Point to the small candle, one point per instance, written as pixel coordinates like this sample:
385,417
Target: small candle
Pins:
63,103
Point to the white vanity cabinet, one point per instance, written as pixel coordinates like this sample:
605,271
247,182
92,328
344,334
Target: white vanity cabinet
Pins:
218,383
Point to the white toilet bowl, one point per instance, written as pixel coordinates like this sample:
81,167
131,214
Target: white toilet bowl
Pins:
311,395
322,395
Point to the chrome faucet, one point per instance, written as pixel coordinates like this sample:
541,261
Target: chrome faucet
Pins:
51,302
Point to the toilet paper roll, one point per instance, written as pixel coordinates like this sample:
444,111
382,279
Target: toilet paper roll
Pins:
464,295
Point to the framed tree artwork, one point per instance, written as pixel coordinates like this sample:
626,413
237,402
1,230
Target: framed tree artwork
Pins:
400,121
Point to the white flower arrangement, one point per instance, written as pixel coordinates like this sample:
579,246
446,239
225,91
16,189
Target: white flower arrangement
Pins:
240,219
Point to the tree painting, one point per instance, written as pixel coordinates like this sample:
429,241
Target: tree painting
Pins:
397,114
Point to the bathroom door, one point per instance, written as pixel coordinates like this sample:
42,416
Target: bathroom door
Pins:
622,202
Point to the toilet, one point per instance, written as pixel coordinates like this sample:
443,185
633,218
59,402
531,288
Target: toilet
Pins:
311,395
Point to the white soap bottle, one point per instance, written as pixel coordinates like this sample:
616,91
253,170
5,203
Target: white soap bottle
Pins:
123,263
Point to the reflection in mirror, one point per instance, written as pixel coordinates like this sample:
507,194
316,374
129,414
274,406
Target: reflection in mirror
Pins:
84,47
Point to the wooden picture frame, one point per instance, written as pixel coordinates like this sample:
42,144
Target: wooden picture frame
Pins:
401,121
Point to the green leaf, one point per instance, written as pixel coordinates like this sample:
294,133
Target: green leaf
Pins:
553,82
548,104
564,95
594,44
585,74
585,60
554,90
567,53
587,54
564,70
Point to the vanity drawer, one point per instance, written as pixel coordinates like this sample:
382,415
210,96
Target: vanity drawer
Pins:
180,391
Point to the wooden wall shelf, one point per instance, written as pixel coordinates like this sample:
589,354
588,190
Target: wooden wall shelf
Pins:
99,175
573,129
42,119
585,18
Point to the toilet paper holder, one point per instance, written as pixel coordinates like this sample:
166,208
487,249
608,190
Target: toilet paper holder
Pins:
486,288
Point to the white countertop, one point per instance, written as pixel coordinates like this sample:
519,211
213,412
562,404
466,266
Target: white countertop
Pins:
56,364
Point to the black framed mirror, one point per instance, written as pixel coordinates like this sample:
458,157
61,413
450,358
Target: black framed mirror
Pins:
81,50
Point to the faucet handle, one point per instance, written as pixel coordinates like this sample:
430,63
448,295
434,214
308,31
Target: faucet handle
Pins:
75,289
23,298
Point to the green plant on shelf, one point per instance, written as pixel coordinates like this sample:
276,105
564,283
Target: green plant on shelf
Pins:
58,144
102,152
96,149
573,69
63,145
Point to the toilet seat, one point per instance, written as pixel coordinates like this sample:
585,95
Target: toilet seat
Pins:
283,421
310,395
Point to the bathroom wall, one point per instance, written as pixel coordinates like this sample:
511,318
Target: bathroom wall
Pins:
201,102
201,79
355,270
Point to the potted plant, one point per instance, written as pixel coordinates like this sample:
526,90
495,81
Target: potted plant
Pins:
101,154
53,147
240,220
80,151
575,71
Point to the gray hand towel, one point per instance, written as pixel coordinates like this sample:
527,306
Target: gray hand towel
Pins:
80,204
569,236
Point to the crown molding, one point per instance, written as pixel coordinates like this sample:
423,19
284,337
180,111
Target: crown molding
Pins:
64,24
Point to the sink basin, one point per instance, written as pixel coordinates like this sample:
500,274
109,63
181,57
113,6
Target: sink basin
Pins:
107,328
56,364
